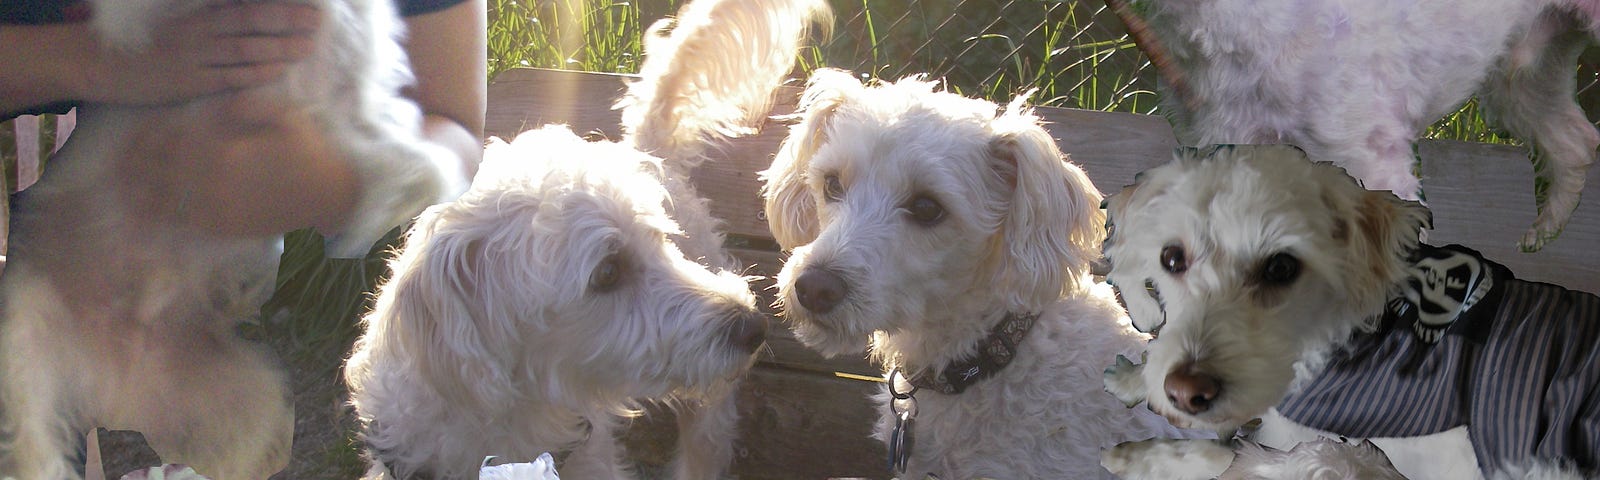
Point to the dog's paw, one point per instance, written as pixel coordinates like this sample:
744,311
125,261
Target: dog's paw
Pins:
1167,459
1125,380
165,472
1544,231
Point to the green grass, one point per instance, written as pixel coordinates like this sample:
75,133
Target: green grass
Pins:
594,36
995,49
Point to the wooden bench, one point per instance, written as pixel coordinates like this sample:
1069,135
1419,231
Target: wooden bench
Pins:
809,417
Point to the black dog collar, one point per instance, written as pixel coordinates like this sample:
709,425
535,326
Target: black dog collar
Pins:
994,353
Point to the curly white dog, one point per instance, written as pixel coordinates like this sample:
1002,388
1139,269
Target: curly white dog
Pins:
1356,82
117,318
575,279
1276,281
952,240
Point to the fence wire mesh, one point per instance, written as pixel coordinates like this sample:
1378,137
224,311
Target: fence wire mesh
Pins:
1075,53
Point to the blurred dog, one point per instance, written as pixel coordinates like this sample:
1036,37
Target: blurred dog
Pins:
1356,82
575,280
1276,281
116,317
951,240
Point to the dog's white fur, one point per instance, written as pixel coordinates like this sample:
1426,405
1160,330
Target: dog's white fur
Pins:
1229,209
115,319
1018,231
1321,459
492,337
491,340
1357,81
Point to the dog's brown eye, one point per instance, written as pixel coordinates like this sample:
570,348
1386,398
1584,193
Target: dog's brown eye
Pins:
926,211
1280,269
832,190
606,274
1172,259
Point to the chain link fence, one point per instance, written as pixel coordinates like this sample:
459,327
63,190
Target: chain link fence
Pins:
1075,53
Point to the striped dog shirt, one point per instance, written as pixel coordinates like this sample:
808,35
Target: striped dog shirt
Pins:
1517,362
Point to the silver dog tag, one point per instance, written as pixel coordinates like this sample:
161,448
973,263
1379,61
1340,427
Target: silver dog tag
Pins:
900,442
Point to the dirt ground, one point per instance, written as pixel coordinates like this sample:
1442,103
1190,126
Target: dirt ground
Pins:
324,426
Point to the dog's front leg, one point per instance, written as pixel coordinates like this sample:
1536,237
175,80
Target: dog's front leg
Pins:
1168,459
37,406
598,457
706,432
1125,380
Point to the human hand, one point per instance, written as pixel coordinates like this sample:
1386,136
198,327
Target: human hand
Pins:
219,47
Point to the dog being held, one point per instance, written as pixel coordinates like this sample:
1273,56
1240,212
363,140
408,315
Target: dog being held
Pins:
120,317
1356,82
951,240
575,280
1275,281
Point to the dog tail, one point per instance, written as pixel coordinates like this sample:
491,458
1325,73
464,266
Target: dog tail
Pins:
1152,48
714,73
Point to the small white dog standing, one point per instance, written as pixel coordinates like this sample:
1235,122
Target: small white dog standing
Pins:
1356,82
1276,281
575,280
115,319
952,241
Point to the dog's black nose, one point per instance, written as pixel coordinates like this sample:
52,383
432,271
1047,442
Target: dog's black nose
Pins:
748,331
1192,391
819,290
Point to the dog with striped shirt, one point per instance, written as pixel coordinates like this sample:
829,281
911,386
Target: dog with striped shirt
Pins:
1275,281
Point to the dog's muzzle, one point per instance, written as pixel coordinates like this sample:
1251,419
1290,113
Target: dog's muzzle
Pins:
747,331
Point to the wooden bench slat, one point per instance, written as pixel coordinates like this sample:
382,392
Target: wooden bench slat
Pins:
793,425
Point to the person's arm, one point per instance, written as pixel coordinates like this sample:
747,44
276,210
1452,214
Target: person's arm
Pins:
217,48
449,56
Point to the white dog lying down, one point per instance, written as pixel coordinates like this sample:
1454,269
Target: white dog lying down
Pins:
1276,281
1356,82
574,279
117,318
952,241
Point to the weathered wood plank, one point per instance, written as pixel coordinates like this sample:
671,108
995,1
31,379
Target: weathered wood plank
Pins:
524,98
793,425
1481,195
813,426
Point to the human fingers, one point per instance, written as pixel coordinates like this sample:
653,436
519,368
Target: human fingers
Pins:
276,18
253,50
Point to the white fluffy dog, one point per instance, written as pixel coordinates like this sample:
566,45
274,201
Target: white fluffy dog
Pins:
574,279
952,241
115,319
1270,277
1356,82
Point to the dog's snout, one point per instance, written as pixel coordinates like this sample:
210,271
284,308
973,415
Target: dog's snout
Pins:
748,331
820,290
1192,391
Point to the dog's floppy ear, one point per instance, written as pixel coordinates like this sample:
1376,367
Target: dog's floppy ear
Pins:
431,310
790,205
1054,226
1379,228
